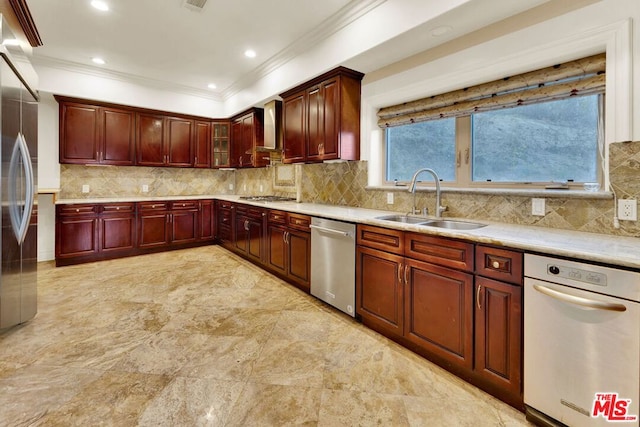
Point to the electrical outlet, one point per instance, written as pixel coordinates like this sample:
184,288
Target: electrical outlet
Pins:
537,207
261,188
389,198
628,210
244,187
230,186
85,188
145,188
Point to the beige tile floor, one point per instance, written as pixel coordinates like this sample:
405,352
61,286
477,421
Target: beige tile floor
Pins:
201,337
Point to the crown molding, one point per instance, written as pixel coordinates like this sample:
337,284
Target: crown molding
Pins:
75,67
345,16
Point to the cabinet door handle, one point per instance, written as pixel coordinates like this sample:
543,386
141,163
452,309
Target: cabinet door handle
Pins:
406,270
400,273
478,297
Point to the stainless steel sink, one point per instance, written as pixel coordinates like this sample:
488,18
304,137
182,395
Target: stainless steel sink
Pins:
403,218
453,225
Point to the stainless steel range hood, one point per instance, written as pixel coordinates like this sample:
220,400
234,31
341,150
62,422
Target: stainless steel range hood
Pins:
272,126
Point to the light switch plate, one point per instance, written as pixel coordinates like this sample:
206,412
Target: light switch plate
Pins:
537,207
389,198
145,188
628,210
85,188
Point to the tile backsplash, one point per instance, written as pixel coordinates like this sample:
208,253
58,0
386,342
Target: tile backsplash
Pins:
345,183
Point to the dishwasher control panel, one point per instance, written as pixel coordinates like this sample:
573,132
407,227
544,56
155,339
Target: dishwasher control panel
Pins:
579,274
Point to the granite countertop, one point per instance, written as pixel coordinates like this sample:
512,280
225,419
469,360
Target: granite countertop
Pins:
603,248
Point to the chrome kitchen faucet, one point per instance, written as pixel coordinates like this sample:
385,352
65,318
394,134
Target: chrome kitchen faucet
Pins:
412,189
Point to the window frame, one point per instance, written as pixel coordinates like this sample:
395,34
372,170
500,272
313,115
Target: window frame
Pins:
464,156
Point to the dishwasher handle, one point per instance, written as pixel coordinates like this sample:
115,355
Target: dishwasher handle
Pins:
331,230
574,299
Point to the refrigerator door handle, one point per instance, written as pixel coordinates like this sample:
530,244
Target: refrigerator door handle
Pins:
20,218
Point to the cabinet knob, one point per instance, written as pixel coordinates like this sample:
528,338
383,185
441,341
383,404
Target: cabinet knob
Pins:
117,208
184,204
153,206
77,210
495,264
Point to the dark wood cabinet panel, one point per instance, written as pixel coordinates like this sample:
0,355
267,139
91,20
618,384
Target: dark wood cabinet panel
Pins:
79,133
322,118
118,136
277,248
207,220
149,140
439,311
221,145
247,134
184,226
438,250
117,227
153,229
179,142
500,264
81,236
498,322
379,290
202,144
294,140
381,238
299,262
91,134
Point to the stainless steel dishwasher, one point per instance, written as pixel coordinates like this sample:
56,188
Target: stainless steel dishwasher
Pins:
333,263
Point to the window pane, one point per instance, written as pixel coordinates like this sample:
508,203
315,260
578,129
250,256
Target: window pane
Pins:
551,141
429,144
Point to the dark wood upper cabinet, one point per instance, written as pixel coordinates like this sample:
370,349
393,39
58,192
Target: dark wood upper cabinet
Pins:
179,142
202,144
149,140
247,134
221,145
92,134
321,118
118,136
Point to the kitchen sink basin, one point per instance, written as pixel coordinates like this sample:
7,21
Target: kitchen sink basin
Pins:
453,225
403,218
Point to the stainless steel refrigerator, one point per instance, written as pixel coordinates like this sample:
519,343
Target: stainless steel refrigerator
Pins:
19,129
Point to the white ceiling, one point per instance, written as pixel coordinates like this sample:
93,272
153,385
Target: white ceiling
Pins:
163,42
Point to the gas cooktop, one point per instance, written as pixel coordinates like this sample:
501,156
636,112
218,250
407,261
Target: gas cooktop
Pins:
269,198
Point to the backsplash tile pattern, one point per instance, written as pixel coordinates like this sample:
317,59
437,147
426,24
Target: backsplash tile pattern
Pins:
345,183
113,181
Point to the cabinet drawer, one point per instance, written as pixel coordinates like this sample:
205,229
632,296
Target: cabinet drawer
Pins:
225,217
501,264
277,217
79,209
223,204
153,206
114,208
255,213
441,251
381,238
184,204
300,222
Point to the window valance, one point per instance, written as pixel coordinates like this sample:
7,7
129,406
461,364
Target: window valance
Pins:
580,77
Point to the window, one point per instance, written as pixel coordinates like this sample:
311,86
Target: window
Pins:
419,145
551,141
528,130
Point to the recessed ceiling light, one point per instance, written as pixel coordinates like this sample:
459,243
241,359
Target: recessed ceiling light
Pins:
250,53
441,31
212,86
100,5
98,61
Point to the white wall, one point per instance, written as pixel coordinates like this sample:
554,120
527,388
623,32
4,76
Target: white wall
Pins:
606,25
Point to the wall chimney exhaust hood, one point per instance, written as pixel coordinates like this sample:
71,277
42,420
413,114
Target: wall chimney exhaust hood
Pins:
272,126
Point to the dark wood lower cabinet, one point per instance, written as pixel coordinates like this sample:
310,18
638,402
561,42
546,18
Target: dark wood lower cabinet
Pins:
92,232
498,337
469,324
380,290
438,309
